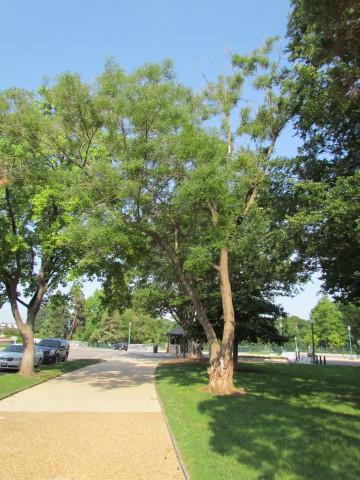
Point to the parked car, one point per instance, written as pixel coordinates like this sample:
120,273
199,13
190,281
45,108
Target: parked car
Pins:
55,349
11,357
120,346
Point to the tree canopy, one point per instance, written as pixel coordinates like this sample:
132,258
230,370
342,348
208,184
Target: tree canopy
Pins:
324,48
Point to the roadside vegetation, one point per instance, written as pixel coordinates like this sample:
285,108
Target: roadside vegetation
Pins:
12,383
294,422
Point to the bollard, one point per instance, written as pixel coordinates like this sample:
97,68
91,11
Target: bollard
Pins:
316,359
324,360
320,360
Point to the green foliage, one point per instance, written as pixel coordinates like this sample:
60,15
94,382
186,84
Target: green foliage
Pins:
351,317
116,179
145,329
293,326
110,329
329,327
10,332
40,141
325,106
52,321
94,309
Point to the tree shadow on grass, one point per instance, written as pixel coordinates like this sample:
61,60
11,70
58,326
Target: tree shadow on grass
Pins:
295,422
278,441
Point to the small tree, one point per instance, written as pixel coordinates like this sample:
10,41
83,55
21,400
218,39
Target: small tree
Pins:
328,324
53,318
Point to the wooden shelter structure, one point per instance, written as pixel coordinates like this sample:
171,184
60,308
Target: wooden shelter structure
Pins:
177,343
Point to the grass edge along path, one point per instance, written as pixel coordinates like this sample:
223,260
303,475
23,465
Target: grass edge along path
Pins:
295,421
14,383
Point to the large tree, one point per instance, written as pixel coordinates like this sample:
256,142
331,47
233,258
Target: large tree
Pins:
41,139
192,191
324,81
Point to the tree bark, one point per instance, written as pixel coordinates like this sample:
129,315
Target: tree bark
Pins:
27,329
27,363
236,351
190,290
73,324
221,369
195,349
27,334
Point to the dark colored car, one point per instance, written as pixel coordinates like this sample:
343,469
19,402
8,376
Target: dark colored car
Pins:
120,346
55,349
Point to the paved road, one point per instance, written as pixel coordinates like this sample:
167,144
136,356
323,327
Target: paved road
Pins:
102,422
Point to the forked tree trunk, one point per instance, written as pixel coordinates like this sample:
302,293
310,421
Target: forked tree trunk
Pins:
221,370
221,367
27,329
27,333
190,290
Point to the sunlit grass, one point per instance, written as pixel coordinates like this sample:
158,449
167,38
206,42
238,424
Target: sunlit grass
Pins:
295,422
13,382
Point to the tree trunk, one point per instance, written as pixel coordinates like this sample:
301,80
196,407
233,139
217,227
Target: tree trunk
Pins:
190,290
27,363
27,334
27,329
221,369
195,349
236,351
73,324
221,377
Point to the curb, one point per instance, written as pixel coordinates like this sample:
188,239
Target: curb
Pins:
185,472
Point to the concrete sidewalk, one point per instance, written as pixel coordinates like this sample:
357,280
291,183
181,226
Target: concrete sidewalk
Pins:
102,422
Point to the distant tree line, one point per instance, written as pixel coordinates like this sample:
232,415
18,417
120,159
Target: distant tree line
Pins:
90,321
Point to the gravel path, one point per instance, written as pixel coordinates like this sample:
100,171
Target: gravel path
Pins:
102,422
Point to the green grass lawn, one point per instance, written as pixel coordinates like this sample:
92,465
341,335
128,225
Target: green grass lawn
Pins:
13,383
295,422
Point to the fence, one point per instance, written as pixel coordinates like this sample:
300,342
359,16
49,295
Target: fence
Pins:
290,347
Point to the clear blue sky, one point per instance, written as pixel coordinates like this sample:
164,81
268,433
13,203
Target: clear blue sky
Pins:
43,38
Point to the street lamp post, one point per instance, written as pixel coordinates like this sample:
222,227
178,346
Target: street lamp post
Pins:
313,340
281,332
350,344
129,333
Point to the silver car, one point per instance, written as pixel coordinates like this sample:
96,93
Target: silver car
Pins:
11,356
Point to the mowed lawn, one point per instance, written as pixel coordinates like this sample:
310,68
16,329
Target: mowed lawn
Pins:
294,422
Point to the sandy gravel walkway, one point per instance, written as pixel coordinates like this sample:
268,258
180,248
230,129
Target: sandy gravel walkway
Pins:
103,422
